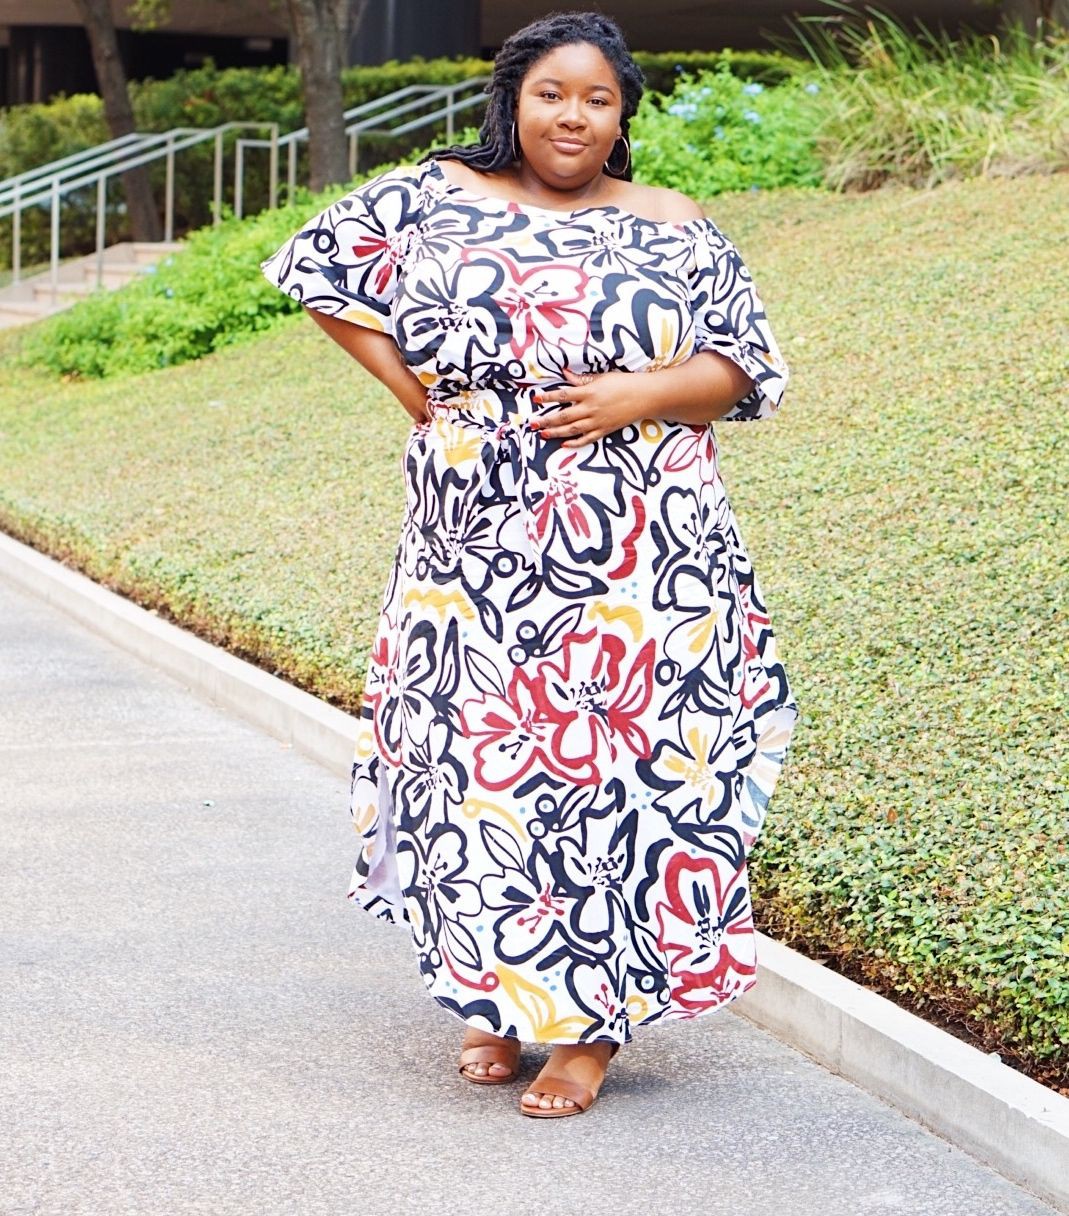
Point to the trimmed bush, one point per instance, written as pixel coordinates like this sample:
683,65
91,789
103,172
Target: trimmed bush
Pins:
663,69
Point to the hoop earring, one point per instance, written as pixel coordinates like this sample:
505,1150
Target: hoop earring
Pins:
516,151
627,162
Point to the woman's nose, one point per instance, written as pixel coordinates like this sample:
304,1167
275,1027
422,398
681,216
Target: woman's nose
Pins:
571,116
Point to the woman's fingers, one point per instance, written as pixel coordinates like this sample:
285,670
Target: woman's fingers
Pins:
565,425
581,441
557,396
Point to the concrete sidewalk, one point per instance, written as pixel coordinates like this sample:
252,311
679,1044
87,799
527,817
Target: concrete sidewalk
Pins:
195,1021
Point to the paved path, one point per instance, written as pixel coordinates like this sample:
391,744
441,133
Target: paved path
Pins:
193,1019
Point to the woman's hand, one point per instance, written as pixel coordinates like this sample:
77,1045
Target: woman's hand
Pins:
595,406
696,391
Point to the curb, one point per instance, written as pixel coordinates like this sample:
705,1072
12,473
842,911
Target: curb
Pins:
326,734
1009,1122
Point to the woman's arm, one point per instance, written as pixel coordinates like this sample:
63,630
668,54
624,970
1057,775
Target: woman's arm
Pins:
379,355
701,389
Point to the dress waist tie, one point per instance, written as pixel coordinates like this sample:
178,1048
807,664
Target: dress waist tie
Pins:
515,442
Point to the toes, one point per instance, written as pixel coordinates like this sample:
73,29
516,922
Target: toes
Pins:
546,1101
500,1070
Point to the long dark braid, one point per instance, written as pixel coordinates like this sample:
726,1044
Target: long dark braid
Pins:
518,52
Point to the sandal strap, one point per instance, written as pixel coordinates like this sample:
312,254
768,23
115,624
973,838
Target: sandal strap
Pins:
562,1087
489,1053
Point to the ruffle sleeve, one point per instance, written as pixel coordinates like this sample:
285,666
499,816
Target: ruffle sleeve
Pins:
345,261
730,319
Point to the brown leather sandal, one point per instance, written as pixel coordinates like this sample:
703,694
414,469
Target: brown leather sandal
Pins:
562,1087
506,1054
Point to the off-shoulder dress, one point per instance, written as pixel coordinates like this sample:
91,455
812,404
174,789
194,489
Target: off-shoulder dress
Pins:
574,715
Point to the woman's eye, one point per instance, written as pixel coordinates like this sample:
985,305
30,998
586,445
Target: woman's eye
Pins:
549,95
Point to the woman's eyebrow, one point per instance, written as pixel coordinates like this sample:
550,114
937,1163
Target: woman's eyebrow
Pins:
604,88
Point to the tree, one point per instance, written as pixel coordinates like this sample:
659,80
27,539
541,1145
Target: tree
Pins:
111,79
321,28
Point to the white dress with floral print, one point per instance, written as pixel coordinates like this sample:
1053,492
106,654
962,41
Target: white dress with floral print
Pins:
574,716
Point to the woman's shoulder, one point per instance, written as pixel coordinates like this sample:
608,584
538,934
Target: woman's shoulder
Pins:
659,203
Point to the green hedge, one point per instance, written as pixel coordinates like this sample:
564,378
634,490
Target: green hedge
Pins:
209,96
664,68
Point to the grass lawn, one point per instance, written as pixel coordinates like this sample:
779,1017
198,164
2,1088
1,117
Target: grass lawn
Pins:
902,513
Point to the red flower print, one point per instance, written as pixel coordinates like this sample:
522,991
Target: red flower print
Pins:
696,445
706,931
539,302
514,733
591,705
563,501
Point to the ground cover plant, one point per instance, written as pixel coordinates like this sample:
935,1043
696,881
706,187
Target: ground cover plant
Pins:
902,512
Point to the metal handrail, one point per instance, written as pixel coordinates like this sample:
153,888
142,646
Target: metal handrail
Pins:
59,184
102,161
53,166
366,123
446,112
47,184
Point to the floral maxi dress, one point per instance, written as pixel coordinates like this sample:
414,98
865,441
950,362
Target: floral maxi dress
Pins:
573,716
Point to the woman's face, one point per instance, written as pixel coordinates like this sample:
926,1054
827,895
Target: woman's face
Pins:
568,115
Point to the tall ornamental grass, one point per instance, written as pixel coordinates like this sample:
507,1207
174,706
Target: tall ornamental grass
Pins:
923,108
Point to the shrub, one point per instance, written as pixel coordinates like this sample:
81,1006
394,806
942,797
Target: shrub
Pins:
716,133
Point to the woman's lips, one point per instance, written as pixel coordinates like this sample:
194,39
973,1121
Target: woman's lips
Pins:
570,147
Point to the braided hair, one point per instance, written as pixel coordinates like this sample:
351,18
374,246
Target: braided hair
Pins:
518,53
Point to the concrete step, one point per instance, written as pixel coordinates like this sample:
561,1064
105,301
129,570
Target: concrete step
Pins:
35,297
115,274
15,312
63,290
148,253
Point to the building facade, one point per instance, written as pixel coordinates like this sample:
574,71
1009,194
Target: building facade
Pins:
44,50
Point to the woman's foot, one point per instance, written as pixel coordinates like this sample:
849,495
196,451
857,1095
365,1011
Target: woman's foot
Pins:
581,1063
483,1070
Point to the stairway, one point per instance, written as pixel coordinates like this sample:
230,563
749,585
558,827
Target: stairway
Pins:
32,298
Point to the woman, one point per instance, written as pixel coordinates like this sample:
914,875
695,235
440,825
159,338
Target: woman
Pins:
573,714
